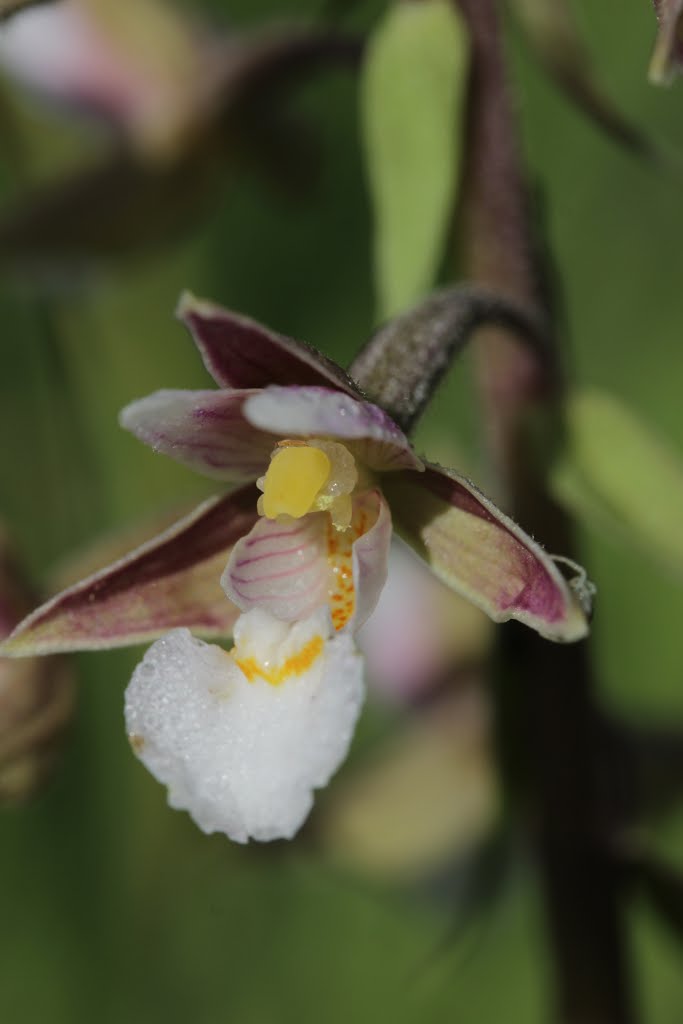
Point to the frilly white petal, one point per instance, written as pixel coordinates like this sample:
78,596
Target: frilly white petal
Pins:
243,756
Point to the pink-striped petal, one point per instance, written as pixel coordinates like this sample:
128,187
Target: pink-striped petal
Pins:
320,412
482,554
173,580
240,353
280,567
205,430
290,567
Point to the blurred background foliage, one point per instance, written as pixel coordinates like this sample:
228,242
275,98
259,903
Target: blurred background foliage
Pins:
115,908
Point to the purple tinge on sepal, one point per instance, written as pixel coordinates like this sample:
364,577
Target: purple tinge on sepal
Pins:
281,567
171,581
240,353
482,554
205,430
371,434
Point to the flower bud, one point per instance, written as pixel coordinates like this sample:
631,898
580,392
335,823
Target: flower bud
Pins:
36,697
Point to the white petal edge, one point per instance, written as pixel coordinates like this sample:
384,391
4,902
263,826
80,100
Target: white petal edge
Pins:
244,757
321,412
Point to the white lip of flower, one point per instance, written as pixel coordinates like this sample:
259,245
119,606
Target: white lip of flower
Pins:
241,739
315,475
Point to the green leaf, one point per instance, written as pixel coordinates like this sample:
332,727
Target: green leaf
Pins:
412,93
618,475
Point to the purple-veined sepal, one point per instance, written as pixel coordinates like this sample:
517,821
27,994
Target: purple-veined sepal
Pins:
239,352
204,430
171,581
482,554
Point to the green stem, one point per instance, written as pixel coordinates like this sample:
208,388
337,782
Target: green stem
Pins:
549,721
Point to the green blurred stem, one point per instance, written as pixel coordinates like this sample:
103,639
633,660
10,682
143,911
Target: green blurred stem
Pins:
549,724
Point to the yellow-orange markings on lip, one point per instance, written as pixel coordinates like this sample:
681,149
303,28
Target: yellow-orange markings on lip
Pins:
342,593
295,665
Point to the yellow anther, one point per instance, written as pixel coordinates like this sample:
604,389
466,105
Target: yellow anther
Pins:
295,475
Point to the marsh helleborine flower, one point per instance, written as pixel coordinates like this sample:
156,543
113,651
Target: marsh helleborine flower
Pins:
291,562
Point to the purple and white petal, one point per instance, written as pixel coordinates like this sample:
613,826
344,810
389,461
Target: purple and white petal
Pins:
241,754
240,353
281,566
204,430
291,567
370,555
482,554
375,439
173,580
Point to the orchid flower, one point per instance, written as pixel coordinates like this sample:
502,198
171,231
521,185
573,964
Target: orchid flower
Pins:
291,561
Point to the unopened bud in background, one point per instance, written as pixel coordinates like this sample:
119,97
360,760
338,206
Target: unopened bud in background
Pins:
36,697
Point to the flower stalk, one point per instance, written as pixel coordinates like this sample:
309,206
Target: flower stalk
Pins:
402,364
552,733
